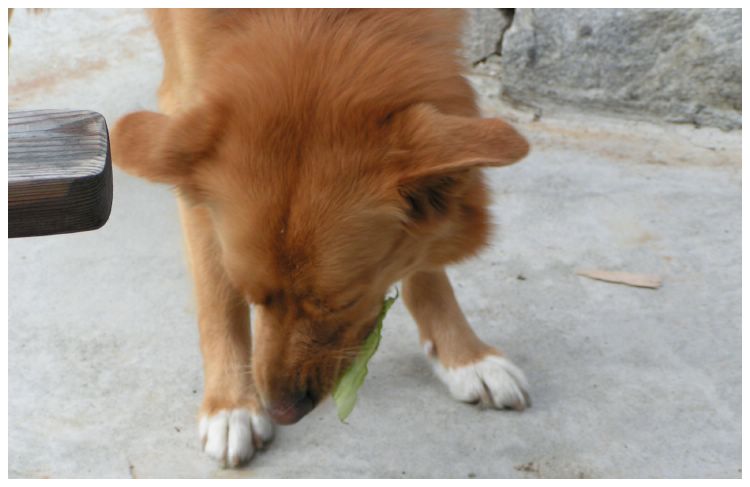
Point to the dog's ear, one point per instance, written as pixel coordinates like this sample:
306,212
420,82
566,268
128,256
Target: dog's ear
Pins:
434,152
435,144
164,148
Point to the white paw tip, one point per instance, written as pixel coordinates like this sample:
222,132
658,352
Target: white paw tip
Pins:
493,381
262,427
232,436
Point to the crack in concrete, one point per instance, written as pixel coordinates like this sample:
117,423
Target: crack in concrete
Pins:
509,14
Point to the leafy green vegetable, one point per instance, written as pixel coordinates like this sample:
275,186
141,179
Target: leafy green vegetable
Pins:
345,392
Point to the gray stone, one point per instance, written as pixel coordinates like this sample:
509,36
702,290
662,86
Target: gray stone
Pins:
681,65
484,29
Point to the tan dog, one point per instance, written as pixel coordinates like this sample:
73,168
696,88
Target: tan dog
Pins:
319,157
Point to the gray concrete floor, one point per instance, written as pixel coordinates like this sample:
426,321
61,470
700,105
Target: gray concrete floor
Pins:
104,368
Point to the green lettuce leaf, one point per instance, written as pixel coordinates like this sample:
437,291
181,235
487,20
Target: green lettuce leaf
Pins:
345,391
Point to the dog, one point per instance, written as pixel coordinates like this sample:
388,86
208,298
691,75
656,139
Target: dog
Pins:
319,157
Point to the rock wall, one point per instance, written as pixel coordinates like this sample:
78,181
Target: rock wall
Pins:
678,65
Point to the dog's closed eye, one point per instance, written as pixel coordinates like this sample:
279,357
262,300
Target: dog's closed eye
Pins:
329,307
350,304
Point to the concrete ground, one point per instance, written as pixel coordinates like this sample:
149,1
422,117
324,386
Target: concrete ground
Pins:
104,368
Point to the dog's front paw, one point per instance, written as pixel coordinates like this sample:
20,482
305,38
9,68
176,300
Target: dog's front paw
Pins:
492,381
231,436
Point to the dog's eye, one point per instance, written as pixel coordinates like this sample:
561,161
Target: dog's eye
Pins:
350,304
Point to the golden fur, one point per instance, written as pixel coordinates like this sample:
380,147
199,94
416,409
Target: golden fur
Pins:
319,157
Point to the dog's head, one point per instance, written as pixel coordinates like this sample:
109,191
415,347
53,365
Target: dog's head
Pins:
318,206
313,234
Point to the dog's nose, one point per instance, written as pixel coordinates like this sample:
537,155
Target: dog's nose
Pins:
289,411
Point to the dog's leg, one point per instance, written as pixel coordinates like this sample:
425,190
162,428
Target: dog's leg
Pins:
233,422
472,370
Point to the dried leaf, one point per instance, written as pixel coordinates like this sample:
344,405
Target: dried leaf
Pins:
617,277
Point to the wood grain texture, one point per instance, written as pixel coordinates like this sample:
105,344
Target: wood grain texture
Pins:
59,172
